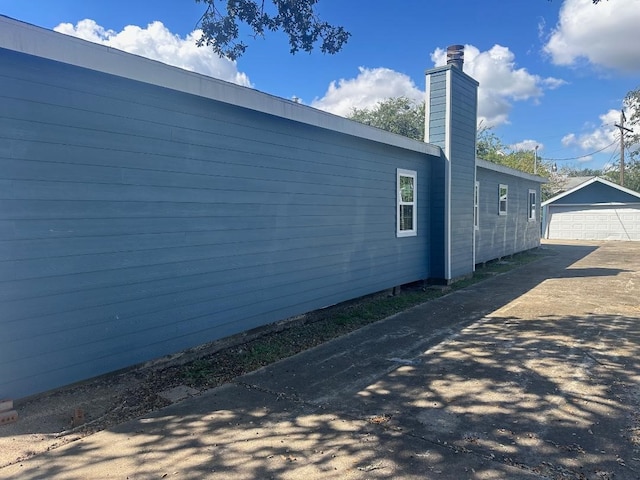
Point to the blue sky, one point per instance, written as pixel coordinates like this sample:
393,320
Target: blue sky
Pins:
552,73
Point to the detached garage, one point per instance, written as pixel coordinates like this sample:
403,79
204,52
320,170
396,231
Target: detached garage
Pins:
595,209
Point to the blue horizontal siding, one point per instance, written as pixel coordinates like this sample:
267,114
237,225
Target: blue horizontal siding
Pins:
462,152
137,221
503,235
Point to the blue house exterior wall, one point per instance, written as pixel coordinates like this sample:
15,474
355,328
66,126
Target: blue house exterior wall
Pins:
503,235
145,209
136,221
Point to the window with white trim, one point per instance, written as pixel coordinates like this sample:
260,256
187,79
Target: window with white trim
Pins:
533,205
407,212
476,206
503,195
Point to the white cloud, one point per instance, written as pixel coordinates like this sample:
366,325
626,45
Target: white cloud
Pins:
601,138
527,145
552,83
501,82
606,34
158,43
597,138
366,90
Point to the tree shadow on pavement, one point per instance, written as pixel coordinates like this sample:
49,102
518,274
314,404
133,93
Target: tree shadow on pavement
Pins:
453,389
555,396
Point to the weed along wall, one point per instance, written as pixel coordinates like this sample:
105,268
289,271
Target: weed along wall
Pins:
145,209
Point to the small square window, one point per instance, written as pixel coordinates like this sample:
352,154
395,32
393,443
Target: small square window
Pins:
407,203
503,199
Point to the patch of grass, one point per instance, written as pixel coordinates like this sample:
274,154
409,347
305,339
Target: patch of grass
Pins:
323,325
198,371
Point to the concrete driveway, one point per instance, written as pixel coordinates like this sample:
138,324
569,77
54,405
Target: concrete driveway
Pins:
531,374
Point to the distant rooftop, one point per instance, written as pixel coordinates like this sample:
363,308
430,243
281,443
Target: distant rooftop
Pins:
572,182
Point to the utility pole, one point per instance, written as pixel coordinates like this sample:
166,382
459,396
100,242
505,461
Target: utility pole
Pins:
622,130
535,160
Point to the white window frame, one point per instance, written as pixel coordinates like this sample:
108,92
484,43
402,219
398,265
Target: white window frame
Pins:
476,206
503,199
400,203
533,206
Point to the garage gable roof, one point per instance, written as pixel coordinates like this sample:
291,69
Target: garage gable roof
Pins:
591,181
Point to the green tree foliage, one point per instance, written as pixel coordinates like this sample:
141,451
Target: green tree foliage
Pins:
398,115
632,140
489,147
631,174
632,145
221,21
296,18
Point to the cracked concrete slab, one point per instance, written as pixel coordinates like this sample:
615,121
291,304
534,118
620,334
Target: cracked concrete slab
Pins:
178,393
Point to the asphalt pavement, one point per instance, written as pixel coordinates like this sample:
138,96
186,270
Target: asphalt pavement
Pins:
532,374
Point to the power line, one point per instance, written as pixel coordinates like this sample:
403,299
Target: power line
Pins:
613,154
623,129
581,156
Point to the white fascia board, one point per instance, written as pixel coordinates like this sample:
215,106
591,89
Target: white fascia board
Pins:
603,204
587,183
40,42
448,193
427,108
509,171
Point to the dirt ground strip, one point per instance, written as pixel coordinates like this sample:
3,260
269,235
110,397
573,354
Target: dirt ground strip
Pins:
531,374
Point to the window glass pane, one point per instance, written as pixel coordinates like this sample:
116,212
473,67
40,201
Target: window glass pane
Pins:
406,203
406,217
406,189
476,195
502,201
532,205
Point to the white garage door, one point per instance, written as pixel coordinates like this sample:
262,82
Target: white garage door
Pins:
594,222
